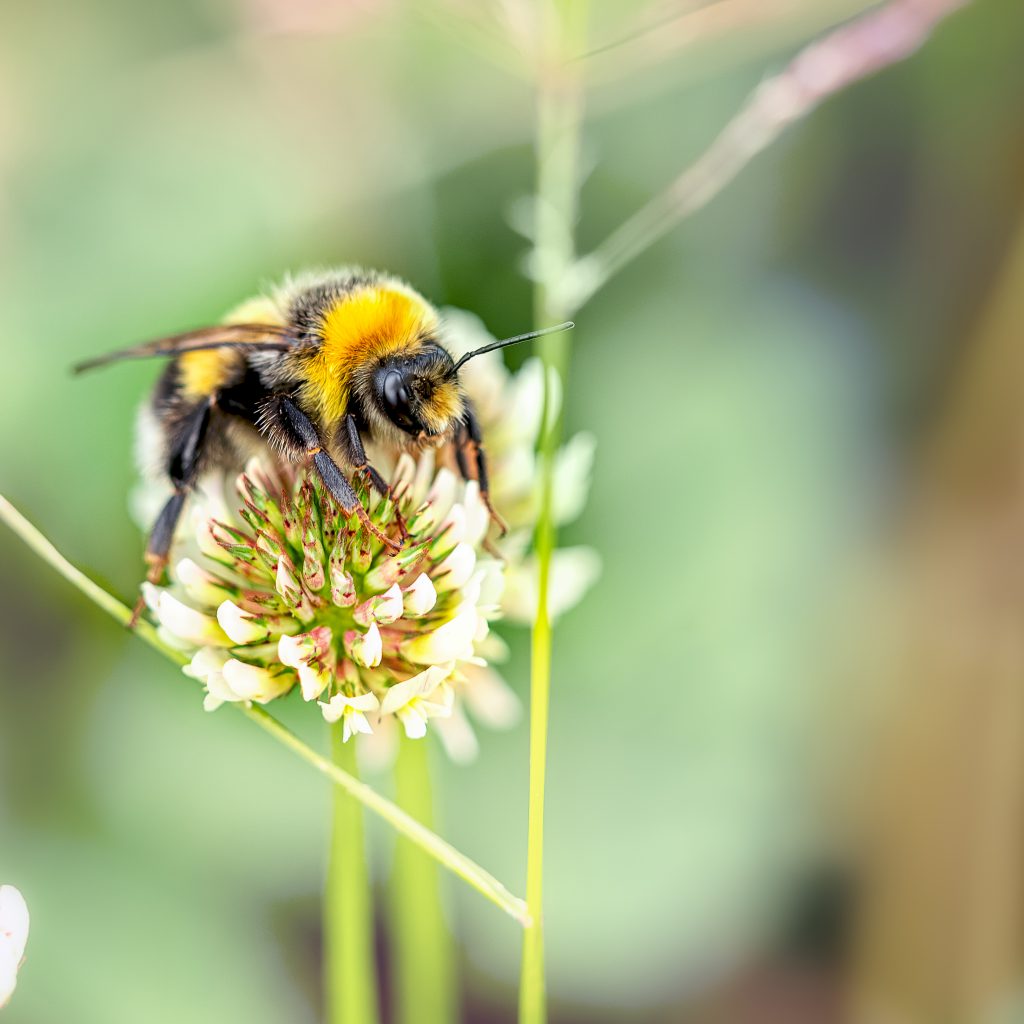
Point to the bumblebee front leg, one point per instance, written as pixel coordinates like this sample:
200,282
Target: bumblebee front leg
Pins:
183,462
471,437
357,456
295,431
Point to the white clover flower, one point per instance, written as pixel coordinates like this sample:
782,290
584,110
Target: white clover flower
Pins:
291,593
13,937
351,711
420,698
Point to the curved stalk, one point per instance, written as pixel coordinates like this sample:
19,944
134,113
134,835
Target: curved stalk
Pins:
443,852
844,56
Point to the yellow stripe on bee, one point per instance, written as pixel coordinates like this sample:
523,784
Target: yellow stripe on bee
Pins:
204,371
362,327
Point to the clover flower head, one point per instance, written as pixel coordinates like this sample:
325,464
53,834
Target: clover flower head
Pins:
290,593
272,589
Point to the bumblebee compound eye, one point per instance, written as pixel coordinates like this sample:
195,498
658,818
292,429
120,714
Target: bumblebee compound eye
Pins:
394,397
395,394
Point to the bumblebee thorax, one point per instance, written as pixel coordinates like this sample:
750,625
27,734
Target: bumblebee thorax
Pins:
374,342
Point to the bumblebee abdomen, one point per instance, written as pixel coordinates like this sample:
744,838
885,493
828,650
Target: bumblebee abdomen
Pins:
202,374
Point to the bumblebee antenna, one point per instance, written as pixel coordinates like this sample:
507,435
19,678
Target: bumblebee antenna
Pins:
504,343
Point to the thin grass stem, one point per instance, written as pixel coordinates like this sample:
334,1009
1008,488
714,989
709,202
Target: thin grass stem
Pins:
350,968
559,125
424,953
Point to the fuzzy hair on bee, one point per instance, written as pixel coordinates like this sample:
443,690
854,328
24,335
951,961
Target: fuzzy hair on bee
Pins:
313,371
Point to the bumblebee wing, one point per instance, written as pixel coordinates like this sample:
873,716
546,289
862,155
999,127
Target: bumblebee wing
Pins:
257,336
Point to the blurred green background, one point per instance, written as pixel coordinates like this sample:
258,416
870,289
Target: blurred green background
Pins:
772,387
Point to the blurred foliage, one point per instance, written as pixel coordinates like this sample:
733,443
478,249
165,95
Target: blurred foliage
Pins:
760,383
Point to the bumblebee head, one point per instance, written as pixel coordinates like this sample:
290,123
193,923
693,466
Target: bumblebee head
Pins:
377,341
419,391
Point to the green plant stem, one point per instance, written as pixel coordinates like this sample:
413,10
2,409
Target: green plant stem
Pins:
459,864
350,965
424,956
559,122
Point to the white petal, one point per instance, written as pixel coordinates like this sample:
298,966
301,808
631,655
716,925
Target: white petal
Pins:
456,569
420,597
452,531
332,709
457,736
516,477
439,500
210,499
302,648
373,649
241,626
419,685
471,590
313,681
251,682
449,642
293,650
312,654
492,583
573,572
482,629
492,649
218,692
365,648
357,722
440,702
189,625
364,702
527,397
200,585
286,584
490,699
476,514
340,705
414,722
571,484
151,596
206,540
404,473
211,703
205,662
14,924
421,482
388,607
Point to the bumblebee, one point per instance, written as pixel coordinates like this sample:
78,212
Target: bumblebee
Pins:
313,371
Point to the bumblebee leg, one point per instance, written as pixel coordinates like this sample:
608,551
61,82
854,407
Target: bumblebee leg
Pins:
359,461
472,436
461,443
296,432
183,467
